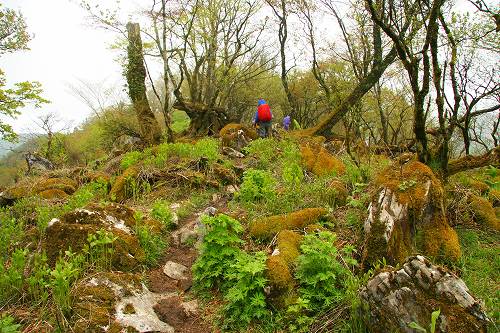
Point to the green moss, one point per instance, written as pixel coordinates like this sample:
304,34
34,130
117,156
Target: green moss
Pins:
319,161
484,213
269,226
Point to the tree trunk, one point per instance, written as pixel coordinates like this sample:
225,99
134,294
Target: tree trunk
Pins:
136,76
471,162
366,83
205,120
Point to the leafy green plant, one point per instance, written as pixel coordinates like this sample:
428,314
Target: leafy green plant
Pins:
245,299
320,274
152,244
11,231
292,174
100,249
432,325
257,185
65,272
406,184
12,276
162,212
38,280
8,325
218,252
130,159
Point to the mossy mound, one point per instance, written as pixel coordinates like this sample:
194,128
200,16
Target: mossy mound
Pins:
64,184
121,188
53,194
408,206
224,175
269,226
439,240
229,135
494,197
337,192
484,213
72,229
280,266
50,187
319,161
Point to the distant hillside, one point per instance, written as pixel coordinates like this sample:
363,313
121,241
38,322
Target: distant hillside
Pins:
5,146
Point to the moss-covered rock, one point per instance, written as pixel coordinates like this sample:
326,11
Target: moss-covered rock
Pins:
72,229
396,297
121,188
53,194
319,161
237,135
484,213
110,302
494,197
67,185
269,226
337,192
408,206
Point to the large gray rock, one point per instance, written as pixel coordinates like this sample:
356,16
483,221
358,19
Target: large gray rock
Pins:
407,210
395,298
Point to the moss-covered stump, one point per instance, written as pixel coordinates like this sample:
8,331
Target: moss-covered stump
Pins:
267,227
115,302
237,136
121,189
319,161
484,213
72,229
395,298
408,209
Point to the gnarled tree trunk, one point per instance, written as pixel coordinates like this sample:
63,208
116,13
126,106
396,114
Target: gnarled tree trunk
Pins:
136,75
205,120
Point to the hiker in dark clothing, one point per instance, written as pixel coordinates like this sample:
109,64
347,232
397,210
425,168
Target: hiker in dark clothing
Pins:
263,118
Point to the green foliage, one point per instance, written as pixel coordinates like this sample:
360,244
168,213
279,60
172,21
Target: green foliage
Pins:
293,174
162,212
480,265
66,271
407,184
359,197
321,275
8,325
38,280
245,299
152,244
218,252
11,231
180,121
432,325
130,159
257,185
100,249
273,154
12,275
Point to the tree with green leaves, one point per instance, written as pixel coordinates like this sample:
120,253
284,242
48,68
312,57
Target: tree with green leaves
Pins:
14,37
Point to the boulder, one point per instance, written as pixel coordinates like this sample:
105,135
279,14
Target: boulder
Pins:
396,297
407,209
72,229
116,302
47,188
175,271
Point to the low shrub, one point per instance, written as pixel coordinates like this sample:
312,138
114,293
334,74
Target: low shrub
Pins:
257,185
162,212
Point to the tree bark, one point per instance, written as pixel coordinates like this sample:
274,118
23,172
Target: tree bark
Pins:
471,162
205,120
136,76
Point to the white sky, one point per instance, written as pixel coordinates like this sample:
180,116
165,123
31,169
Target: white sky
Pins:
64,48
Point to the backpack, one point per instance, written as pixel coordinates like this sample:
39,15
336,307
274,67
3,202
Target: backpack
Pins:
264,113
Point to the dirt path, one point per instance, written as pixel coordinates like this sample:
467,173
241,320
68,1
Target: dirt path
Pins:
182,311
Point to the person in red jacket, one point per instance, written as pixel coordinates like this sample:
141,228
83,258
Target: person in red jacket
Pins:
263,117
